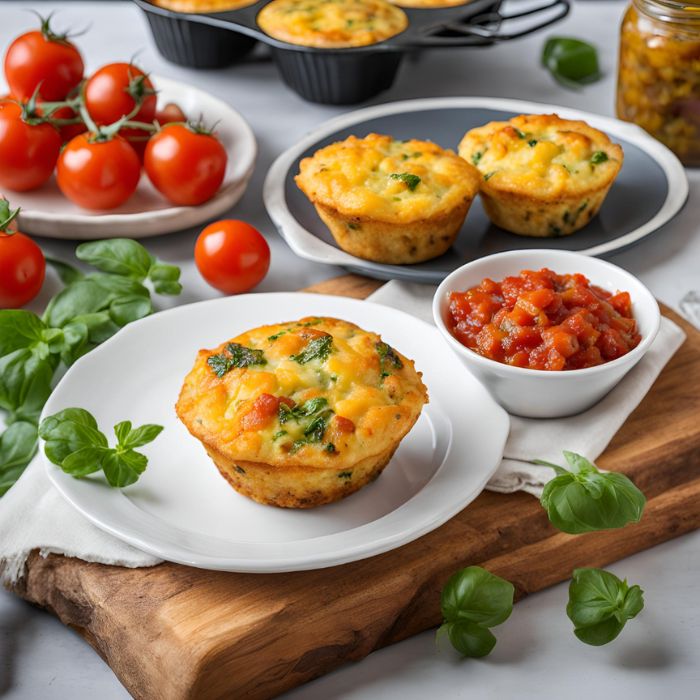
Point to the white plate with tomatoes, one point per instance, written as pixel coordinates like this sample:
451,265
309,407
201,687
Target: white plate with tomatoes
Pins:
46,211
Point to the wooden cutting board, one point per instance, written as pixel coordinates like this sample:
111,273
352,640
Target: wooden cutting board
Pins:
172,632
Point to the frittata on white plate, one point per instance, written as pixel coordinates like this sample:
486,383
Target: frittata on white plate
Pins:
388,200
542,175
302,413
331,24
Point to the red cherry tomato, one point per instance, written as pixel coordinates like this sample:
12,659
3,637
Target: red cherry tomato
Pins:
112,92
43,58
185,165
22,264
169,114
232,256
28,152
98,174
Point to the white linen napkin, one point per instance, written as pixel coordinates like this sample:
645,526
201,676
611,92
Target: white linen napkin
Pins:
34,516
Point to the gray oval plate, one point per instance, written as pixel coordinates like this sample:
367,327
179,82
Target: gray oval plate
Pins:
649,191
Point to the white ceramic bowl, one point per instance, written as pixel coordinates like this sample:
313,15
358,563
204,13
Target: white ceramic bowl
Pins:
539,393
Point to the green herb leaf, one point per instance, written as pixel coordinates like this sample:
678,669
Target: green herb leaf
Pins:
599,157
469,639
532,143
74,443
165,278
571,62
19,329
235,355
521,134
17,447
586,500
313,415
488,176
411,181
600,604
387,356
476,157
119,256
66,273
473,600
316,349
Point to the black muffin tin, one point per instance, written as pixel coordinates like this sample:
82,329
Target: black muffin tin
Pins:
339,76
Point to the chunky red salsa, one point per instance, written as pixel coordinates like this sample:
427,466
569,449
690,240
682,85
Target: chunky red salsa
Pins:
543,320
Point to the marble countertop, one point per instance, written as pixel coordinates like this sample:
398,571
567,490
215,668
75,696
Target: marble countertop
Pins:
537,654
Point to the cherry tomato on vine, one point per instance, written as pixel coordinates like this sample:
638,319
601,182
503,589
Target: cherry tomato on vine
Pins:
68,131
170,113
114,91
98,174
43,58
28,151
185,164
22,264
232,256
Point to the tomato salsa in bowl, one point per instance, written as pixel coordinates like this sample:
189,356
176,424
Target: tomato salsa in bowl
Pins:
548,332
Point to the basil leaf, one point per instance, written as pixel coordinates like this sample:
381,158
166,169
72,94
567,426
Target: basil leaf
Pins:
100,326
316,349
19,329
119,256
600,604
25,382
409,179
66,273
82,297
470,639
123,468
139,436
235,355
68,431
18,445
78,447
477,595
165,278
473,600
571,62
86,460
587,500
127,309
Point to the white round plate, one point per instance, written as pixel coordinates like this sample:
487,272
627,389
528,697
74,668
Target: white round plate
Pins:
182,510
46,212
649,191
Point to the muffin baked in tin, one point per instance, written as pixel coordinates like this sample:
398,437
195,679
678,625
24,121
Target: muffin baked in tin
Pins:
387,200
542,175
302,413
200,6
331,24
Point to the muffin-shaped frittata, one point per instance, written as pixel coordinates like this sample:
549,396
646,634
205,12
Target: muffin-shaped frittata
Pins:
302,413
331,24
196,6
428,4
387,200
542,175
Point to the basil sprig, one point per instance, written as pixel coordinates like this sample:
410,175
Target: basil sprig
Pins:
472,601
600,604
584,499
89,309
572,62
75,444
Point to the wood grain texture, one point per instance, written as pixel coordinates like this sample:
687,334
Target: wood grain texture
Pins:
174,633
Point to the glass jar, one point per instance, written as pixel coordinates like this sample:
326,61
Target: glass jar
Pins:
659,73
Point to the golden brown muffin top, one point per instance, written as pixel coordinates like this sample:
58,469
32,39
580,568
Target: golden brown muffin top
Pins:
542,155
319,392
429,4
195,6
329,24
381,178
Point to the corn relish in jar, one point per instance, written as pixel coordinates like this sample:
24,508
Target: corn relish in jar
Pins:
659,73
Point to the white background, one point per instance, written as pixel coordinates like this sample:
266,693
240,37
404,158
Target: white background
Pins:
658,654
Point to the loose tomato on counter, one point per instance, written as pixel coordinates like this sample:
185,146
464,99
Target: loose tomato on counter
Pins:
22,264
232,256
542,320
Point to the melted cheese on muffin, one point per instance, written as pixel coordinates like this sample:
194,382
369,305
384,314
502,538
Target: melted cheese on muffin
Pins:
319,391
195,6
387,180
542,155
331,23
